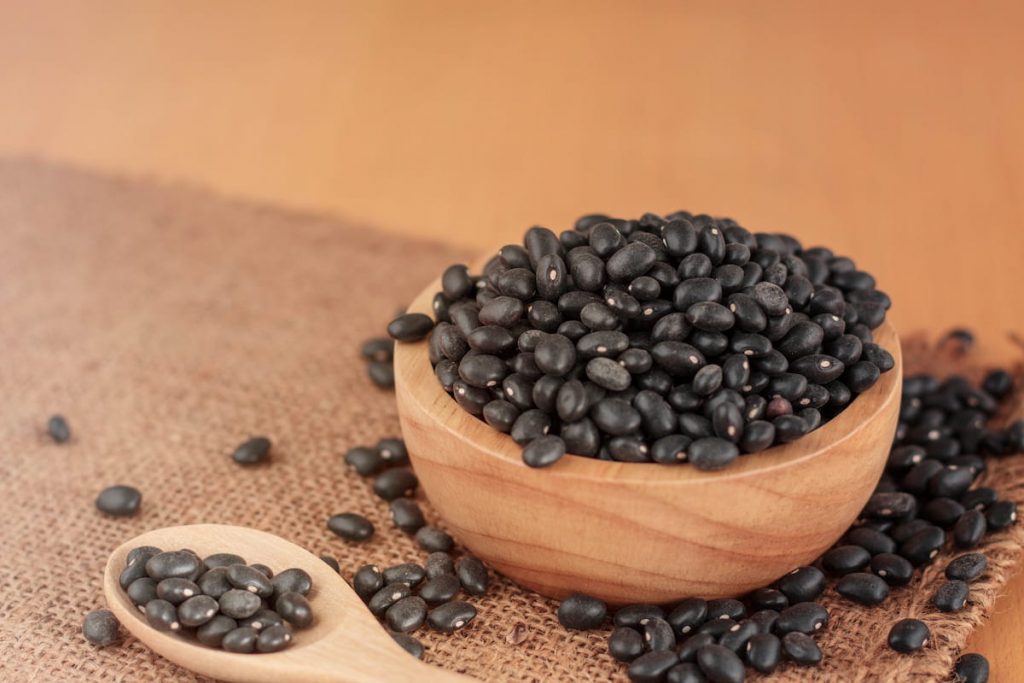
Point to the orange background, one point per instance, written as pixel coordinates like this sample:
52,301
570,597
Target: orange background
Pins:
891,132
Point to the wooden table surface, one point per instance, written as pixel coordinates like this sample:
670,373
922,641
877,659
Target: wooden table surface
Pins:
893,132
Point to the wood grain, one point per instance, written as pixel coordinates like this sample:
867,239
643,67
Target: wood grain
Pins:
893,131
642,533
344,645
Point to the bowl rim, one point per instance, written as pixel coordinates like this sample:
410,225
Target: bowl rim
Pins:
411,361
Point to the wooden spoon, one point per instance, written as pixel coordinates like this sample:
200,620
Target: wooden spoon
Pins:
344,645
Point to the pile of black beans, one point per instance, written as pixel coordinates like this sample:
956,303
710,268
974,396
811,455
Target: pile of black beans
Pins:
926,503
408,595
662,339
219,600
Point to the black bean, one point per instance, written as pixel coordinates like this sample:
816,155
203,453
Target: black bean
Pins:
765,620
250,579
176,590
473,575
863,588
141,554
440,588
58,429
1001,515
263,569
253,451
386,597
688,615
456,282
555,355
410,327
845,559
712,453
222,560
630,262
943,512
720,664
615,416
950,482
433,539
581,612
970,529
240,640
406,615
818,368
893,569
274,638
213,631
351,526
263,618
803,617
294,608
502,310
923,545
768,598
101,628
408,573
239,604
607,373
406,515
163,616
482,370
971,668
215,582
655,413
652,666
501,415
757,436
381,374
710,316
678,358
409,644
670,449
901,532
803,584
451,616
293,580
331,562
658,634
438,563
367,580
737,636
197,610
875,542
764,652
530,425
898,505
142,590
967,567
951,596
801,648
394,483
637,615
180,564
687,649
908,635
119,501
725,608
625,644
717,627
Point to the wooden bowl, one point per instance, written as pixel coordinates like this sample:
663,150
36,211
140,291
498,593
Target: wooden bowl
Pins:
636,532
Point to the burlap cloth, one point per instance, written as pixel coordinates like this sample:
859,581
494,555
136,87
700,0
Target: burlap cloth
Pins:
168,325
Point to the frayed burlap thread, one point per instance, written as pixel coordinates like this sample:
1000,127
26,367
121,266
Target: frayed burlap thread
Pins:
168,325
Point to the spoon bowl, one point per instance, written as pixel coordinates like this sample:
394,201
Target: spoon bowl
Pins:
345,644
642,532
